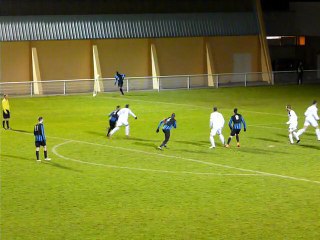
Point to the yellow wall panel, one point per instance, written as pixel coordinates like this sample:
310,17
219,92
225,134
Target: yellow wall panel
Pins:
64,59
224,49
181,56
128,56
15,62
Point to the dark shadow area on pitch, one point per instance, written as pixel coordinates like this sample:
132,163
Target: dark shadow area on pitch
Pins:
145,144
54,164
138,139
101,134
260,151
20,130
17,157
267,139
309,146
193,143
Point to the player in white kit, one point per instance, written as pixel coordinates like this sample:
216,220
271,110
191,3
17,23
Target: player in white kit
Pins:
312,119
216,125
123,120
293,123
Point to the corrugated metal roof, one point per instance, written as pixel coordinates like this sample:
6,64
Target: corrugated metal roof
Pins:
21,28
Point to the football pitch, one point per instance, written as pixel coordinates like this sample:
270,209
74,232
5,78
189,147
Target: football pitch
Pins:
124,188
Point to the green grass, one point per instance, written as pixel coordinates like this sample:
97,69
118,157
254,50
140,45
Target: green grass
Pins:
96,188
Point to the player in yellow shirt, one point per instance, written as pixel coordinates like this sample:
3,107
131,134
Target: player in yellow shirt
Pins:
5,111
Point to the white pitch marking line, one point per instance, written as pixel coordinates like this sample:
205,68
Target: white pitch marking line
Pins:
203,162
54,150
214,164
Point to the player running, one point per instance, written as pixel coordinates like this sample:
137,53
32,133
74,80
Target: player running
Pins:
40,139
168,124
123,116
119,80
235,124
312,117
113,118
216,125
293,123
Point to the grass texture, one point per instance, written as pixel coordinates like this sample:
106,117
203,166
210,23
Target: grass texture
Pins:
119,188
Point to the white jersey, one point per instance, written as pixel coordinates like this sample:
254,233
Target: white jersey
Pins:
216,120
124,115
312,113
293,119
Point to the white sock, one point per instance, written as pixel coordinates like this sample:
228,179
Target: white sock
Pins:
114,130
212,141
318,133
291,138
300,132
127,130
295,135
221,138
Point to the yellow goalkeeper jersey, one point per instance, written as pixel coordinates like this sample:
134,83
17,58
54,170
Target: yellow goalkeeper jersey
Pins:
5,105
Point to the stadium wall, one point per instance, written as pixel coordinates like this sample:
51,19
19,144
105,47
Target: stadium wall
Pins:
72,59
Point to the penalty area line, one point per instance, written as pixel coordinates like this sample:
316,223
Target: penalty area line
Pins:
261,173
54,150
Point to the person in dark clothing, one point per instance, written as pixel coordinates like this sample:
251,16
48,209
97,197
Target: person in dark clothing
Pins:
235,125
113,118
300,73
168,124
119,80
40,139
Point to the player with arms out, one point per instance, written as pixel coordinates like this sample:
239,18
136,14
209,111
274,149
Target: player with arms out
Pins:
293,123
312,119
216,125
235,125
168,124
119,80
123,120
40,139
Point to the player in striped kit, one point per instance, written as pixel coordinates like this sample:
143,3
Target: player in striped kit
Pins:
235,124
123,120
168,124
40,139
293,123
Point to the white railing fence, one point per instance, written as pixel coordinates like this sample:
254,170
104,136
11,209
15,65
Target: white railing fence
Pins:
64,87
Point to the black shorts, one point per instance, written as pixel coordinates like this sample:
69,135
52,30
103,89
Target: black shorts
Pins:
6,114
235,131
112,124
40,143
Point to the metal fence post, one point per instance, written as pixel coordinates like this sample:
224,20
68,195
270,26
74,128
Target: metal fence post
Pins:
31,89
64,87
159,84
245,79
188,82
218,81
127,84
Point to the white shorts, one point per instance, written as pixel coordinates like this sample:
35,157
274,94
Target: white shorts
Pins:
122,123
293,127
215,131
311,121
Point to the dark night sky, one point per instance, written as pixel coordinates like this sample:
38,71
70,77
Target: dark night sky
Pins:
71,7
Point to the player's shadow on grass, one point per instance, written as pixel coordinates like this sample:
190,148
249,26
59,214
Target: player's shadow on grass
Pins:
97,133
267,139
310,146
54,164
139,139
20,130
260,151
146,144
197,143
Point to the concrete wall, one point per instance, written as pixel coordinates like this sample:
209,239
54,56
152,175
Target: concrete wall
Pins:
224,49
129,56
15,62
73,59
